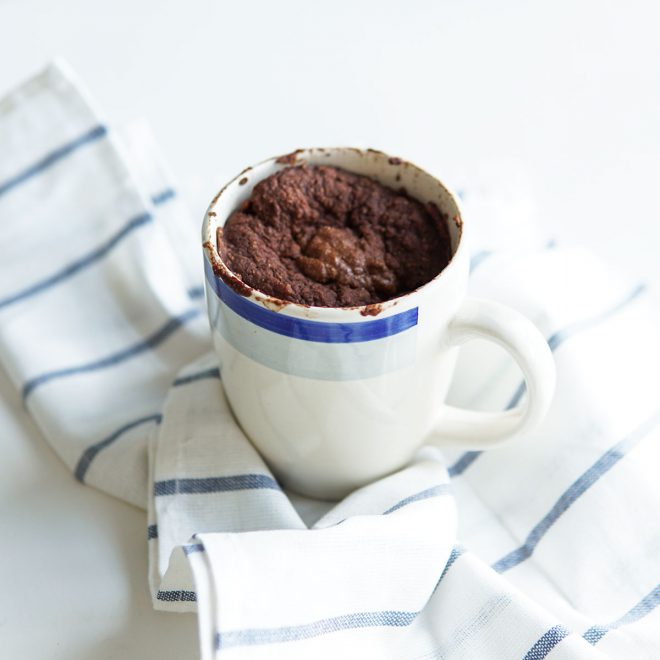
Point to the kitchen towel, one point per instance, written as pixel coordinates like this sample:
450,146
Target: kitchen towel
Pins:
97,309
545,548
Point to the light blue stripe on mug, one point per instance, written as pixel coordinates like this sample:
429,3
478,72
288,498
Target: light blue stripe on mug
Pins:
312,349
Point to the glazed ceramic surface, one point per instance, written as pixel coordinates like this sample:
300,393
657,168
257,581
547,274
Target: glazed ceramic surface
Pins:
334,398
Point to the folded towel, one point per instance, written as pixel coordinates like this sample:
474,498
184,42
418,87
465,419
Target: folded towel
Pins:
97,310
545,548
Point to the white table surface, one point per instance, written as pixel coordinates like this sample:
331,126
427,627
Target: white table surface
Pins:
570,91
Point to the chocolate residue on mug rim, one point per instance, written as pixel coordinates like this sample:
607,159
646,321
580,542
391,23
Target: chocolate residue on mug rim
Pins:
374,309
289,159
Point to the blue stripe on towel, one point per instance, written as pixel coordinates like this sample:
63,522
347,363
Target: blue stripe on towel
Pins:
556,340
434,491
115,358
385,618
455,553
262,636
562,335
463,463
317,331
546,643
478,258
595,634
259,636
78,264
587,479
640,610
90,453
88,259
200,375
177,596
466,459
190,548
163,196
53,157
214,484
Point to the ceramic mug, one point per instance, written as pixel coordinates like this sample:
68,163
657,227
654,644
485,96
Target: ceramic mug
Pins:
334,398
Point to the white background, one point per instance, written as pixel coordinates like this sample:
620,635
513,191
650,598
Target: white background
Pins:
567,90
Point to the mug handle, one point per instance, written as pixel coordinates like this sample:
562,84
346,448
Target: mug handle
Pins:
471,429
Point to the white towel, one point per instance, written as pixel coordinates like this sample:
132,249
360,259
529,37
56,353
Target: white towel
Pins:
555,552
97,311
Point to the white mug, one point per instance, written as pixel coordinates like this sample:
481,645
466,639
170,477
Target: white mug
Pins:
334,398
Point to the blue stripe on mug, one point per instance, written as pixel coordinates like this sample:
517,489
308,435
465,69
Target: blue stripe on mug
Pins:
317,331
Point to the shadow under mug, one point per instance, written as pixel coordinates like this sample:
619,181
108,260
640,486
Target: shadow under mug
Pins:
334,398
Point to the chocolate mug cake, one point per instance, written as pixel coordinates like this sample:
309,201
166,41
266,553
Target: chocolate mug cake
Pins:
323,236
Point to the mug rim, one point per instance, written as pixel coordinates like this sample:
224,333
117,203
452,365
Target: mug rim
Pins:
272,303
